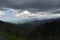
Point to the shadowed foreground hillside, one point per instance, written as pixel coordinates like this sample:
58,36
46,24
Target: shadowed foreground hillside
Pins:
49,30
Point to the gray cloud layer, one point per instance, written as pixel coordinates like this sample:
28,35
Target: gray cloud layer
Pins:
30,4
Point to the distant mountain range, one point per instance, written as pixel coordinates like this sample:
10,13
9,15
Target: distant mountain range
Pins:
30,23
41,21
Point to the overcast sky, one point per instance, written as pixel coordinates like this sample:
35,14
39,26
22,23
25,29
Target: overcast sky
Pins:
11,10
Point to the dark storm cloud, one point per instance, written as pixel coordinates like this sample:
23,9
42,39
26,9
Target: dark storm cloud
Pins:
30,4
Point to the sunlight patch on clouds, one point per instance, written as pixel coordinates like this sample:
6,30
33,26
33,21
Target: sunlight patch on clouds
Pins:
29,14
24,14
39,15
